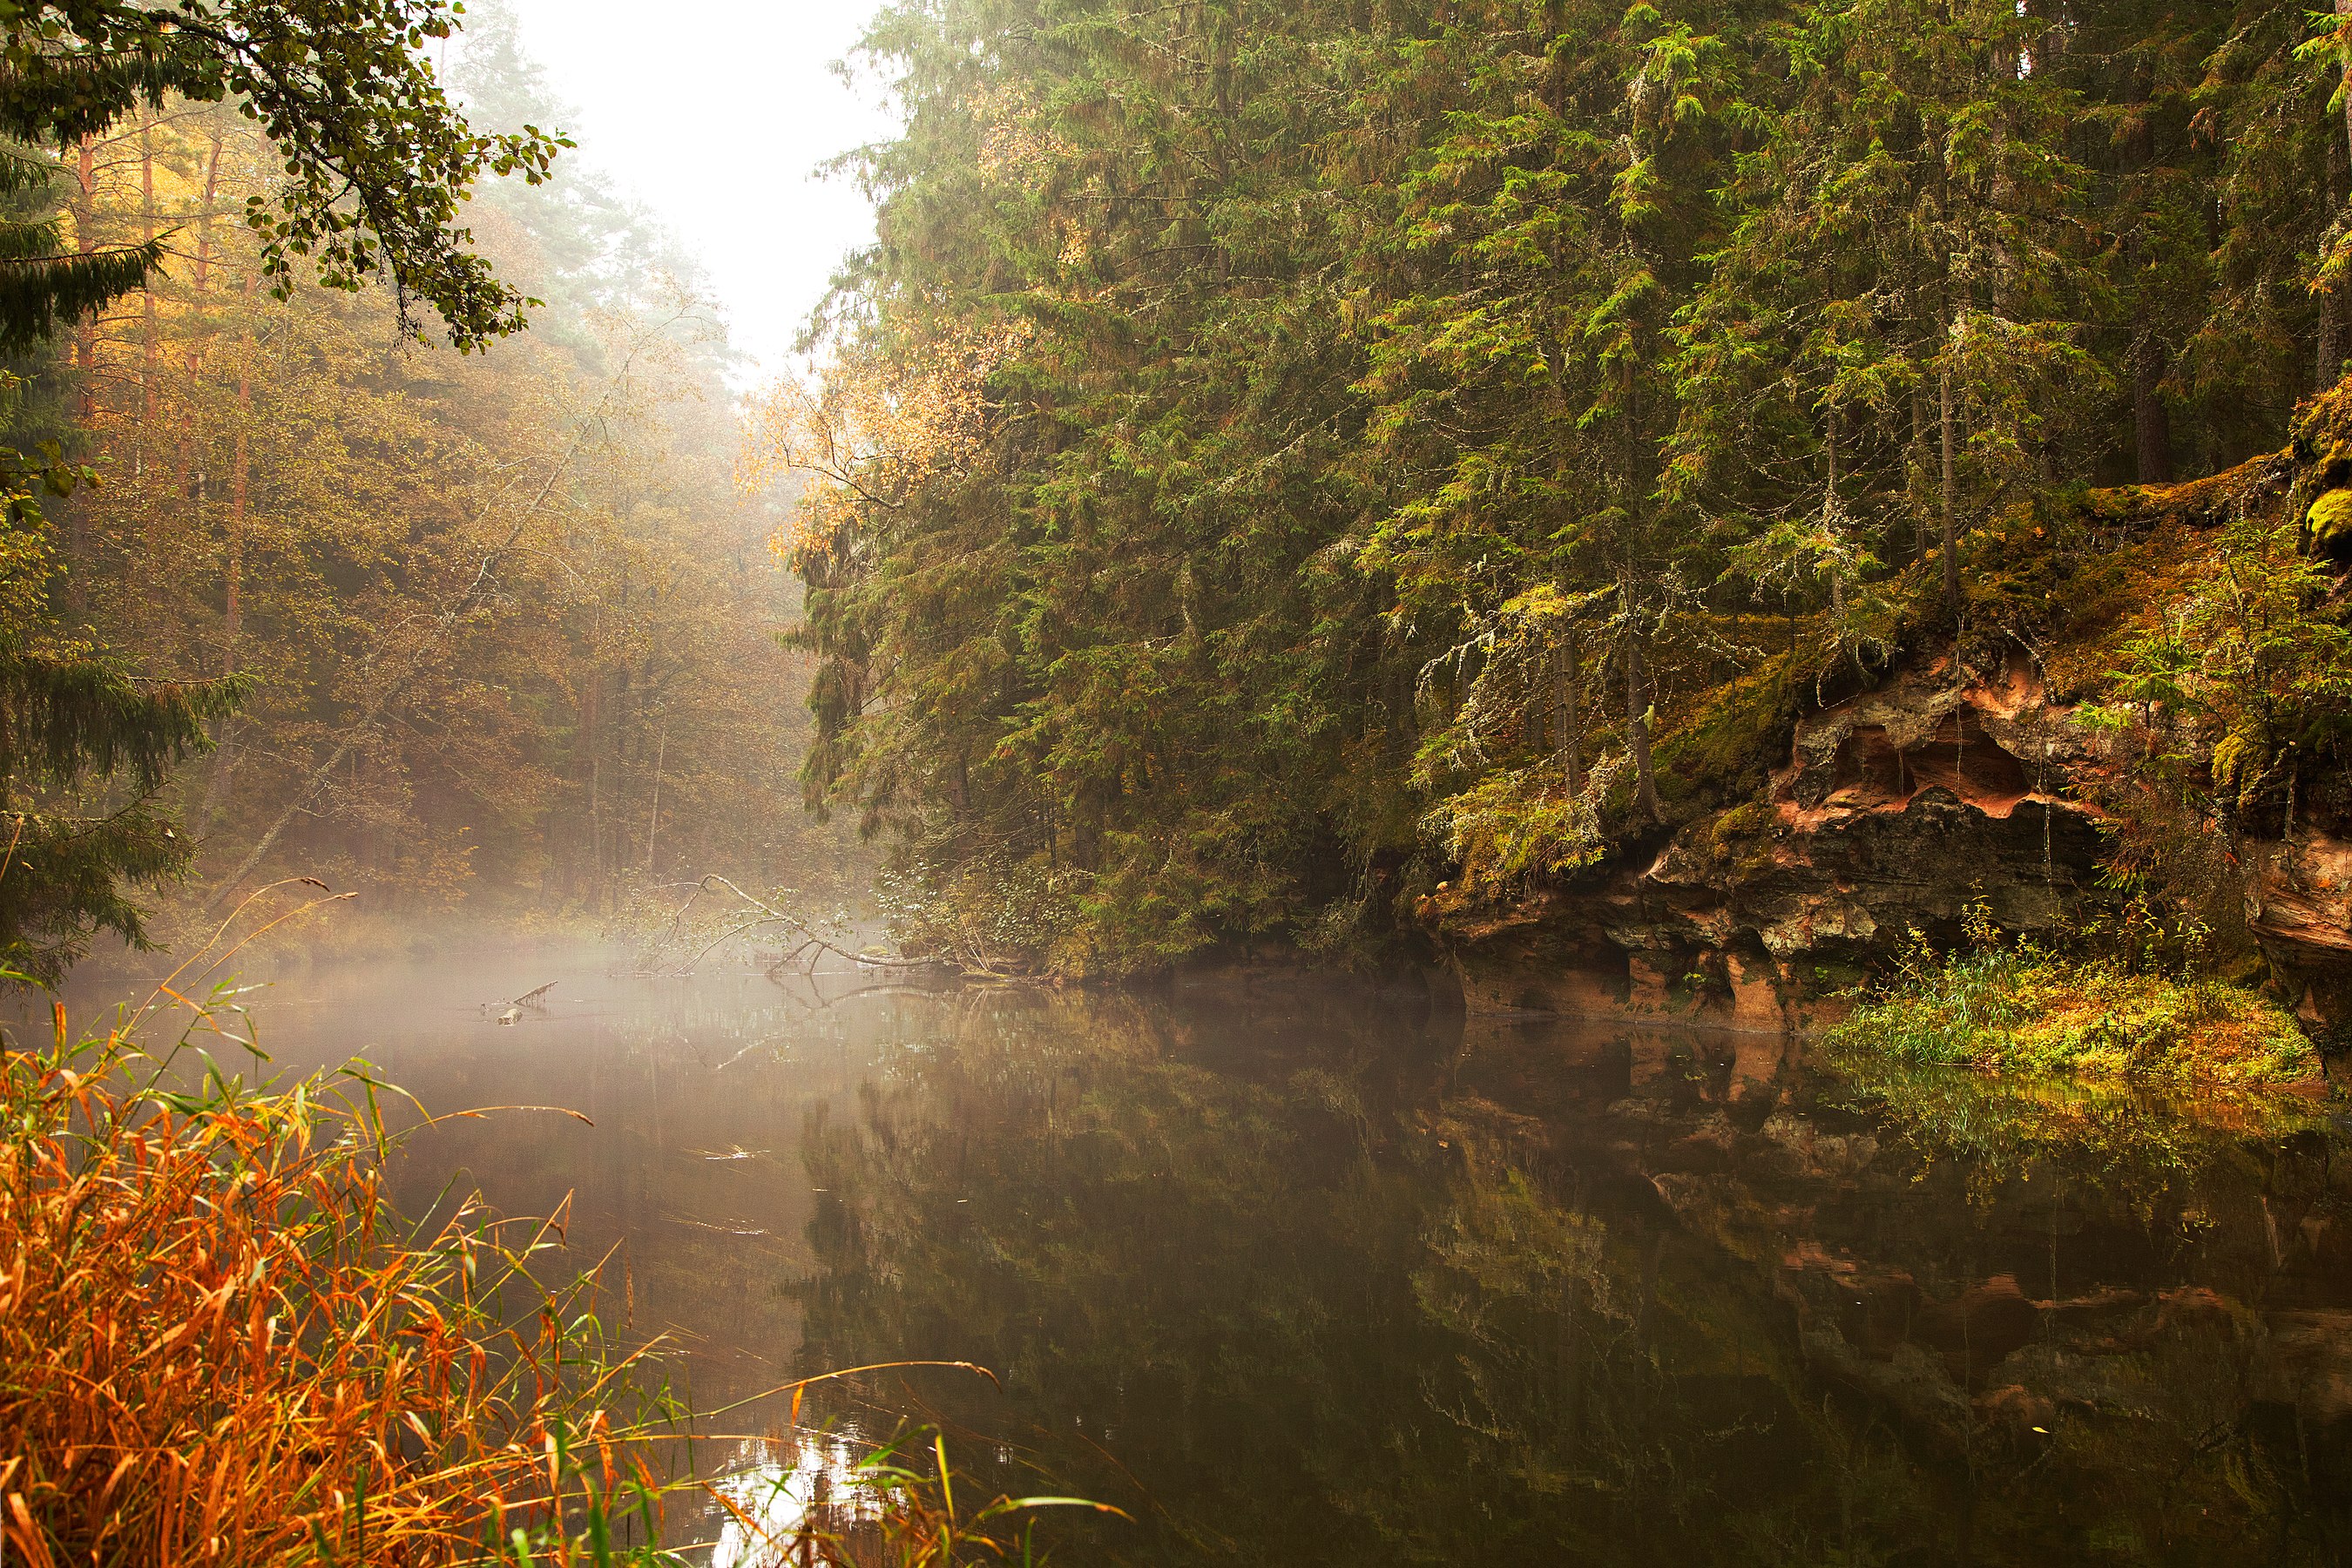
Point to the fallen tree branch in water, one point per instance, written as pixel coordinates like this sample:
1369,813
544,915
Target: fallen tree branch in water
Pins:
768,915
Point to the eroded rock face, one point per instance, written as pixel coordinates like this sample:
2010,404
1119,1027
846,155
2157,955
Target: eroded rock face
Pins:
1896,810
2299,907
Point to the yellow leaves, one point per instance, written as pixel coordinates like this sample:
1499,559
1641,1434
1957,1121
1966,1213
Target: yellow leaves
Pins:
1018,142
2230,754
876,426
1021,148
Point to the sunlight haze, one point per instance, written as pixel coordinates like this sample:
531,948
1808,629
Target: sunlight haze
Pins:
724,143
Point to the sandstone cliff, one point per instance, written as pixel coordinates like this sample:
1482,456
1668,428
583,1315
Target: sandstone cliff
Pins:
1986,763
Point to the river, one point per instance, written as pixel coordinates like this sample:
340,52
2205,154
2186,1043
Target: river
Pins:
1324,1275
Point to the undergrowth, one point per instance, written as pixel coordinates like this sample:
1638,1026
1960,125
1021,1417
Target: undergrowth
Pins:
2025,1007
222,1344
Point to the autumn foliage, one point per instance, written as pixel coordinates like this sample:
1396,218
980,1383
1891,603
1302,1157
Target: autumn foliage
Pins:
223,1345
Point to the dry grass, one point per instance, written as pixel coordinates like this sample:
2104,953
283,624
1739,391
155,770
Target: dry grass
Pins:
221,1344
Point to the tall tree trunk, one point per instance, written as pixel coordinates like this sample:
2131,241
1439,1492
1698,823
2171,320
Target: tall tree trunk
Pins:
85,216
150,337
2151,422
1571,738
240,470
2329,366
85,359
591,739
202,280
653,822
1637,708
2343,11
1919,539
205,213
1832,526
1951,543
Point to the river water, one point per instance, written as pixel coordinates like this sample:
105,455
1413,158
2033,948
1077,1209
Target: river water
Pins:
1332,1275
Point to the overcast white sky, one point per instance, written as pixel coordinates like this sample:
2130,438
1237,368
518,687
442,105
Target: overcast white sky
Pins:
715,116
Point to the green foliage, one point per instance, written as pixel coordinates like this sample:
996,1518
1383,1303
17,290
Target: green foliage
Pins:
2025,1008
1510,826
64,722
1359,430
377,163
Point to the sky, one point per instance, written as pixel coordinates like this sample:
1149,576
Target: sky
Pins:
716,117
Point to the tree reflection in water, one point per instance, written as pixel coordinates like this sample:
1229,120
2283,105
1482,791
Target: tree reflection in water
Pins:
1322,1280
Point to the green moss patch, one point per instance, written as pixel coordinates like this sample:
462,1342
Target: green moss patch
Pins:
2031,1011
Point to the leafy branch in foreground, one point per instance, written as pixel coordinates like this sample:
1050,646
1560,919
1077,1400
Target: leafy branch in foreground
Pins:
377,161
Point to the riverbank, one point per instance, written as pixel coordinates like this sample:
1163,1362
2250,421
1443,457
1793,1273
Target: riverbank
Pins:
2132,716
226,1342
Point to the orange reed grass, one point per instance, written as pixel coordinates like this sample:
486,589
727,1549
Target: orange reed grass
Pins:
219,1343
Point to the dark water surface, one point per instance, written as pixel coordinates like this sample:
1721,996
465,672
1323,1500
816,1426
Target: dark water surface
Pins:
1330,1276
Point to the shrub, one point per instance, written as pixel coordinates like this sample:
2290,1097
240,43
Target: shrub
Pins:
219,1343
2027,1008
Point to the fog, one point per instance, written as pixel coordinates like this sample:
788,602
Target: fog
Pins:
718,121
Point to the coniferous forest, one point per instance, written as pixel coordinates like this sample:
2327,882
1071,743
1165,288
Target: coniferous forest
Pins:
1318,477
1329,483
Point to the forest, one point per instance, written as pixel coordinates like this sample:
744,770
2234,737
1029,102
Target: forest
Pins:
1327,478
1312,481
486,638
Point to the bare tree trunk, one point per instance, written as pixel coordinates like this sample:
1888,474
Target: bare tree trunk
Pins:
1919,531
204,215
592,735
653,823
1637,709
1831,526
2329,367
1830,495
1571,738
2151,422
85,216
1951,542
233,579
150,341
85,357
2342,10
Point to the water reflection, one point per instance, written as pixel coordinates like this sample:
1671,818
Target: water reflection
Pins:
1334,1277
770,1491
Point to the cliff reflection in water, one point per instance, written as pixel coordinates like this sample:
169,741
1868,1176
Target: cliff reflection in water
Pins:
1325,1277
1298,1285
